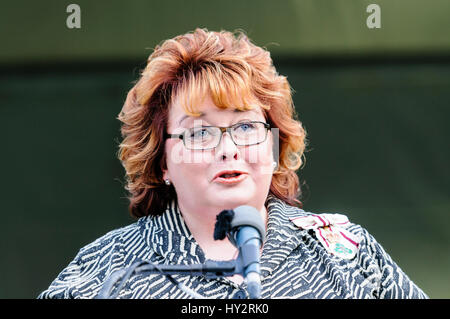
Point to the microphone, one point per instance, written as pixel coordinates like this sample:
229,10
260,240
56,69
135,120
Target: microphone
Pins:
245,229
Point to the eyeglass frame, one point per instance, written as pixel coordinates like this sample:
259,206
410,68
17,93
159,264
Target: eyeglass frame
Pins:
223,129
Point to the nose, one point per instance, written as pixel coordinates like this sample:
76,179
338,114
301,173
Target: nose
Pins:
226,149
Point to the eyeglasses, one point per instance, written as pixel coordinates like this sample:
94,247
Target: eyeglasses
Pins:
209,137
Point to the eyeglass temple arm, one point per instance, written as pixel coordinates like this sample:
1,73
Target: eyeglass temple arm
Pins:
179,136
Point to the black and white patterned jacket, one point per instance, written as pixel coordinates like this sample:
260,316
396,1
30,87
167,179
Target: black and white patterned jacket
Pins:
295,262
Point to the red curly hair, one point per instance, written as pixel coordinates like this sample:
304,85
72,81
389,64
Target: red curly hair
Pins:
235,73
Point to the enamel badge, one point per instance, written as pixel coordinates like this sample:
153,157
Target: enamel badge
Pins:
331,231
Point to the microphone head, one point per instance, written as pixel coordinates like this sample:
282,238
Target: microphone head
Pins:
247,216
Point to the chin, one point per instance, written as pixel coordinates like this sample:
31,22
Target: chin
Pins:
232,199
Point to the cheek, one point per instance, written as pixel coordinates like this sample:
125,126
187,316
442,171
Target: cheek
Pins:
177,154
185,165
261,154
260,159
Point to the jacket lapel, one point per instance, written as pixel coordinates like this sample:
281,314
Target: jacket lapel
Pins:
282,235
170,238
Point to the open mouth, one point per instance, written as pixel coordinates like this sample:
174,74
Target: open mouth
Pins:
230,177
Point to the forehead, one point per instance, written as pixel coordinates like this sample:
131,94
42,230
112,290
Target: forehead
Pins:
186,117
207,109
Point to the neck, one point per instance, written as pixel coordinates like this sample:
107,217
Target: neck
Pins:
201,221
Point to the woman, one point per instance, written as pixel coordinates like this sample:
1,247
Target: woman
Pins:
210,126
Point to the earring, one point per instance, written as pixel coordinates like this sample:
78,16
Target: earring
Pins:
167,181
274,164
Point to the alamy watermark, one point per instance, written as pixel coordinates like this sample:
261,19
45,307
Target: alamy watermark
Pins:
374,19
73,20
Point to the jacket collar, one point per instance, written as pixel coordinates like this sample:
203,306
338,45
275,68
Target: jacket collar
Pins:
169,237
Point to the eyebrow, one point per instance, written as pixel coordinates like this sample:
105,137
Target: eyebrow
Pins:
186,116
203,114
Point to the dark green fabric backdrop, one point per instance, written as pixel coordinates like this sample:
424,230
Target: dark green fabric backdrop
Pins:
378,152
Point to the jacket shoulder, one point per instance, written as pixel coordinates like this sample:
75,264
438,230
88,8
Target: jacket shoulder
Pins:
111,240
93,263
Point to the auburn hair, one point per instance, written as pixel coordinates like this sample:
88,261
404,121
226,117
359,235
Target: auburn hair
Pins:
236,73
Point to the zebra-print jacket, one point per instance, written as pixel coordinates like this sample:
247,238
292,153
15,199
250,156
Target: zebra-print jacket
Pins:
304,256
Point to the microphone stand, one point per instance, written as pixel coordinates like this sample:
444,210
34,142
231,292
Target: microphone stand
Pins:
210,268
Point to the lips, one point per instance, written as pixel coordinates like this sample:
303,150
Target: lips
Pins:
230,176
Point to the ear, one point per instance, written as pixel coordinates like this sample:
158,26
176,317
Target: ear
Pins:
166,174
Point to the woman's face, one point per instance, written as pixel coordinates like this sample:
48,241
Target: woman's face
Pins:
193,173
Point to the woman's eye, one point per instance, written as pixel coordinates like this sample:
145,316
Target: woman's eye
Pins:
200,133
246,127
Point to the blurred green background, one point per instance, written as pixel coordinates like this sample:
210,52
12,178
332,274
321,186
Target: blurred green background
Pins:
375,103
